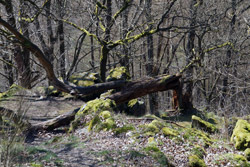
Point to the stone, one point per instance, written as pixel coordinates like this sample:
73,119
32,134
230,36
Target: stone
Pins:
241,135
198,123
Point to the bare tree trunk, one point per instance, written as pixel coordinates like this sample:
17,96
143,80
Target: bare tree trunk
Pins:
7,65
229,53
105,50
22,61
153,98
25,76
187,101
61,40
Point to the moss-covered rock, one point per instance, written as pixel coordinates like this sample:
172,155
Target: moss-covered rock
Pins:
97,105
240,160
169,132
99,110
198,151
198,123
85,79
195,161
152,128
118,73
241,135
192,134
247,154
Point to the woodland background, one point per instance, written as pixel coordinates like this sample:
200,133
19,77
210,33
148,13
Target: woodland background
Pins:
148,37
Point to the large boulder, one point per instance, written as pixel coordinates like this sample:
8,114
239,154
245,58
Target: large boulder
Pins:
199,123
241,135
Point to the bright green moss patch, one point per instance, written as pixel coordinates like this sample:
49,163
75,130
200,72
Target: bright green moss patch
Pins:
169,132
85,79
93,122
106,125
118,73
247,154
97,105
100,111
105,114
195,161
192,134
241,135
131,103
198,123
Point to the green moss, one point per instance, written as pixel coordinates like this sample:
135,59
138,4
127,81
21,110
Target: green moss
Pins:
197,122
97,105
198,151
11,91
105,114
192,134
156,153
240,158
235,160
131,103
97,108
52,91
106,125
164,78
118,73
247,154
93,122
169,132
85,83
152,128
85,79
195,161
241,135
123,129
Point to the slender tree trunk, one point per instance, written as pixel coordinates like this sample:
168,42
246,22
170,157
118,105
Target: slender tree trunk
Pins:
7,65
187,101
21,58
229,53
61,40
153,98
124,30
104,49
25,77
103,62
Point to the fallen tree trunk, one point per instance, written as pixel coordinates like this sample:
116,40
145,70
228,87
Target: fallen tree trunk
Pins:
128,91
145,86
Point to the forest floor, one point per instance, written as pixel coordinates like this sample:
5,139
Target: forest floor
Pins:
83,148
